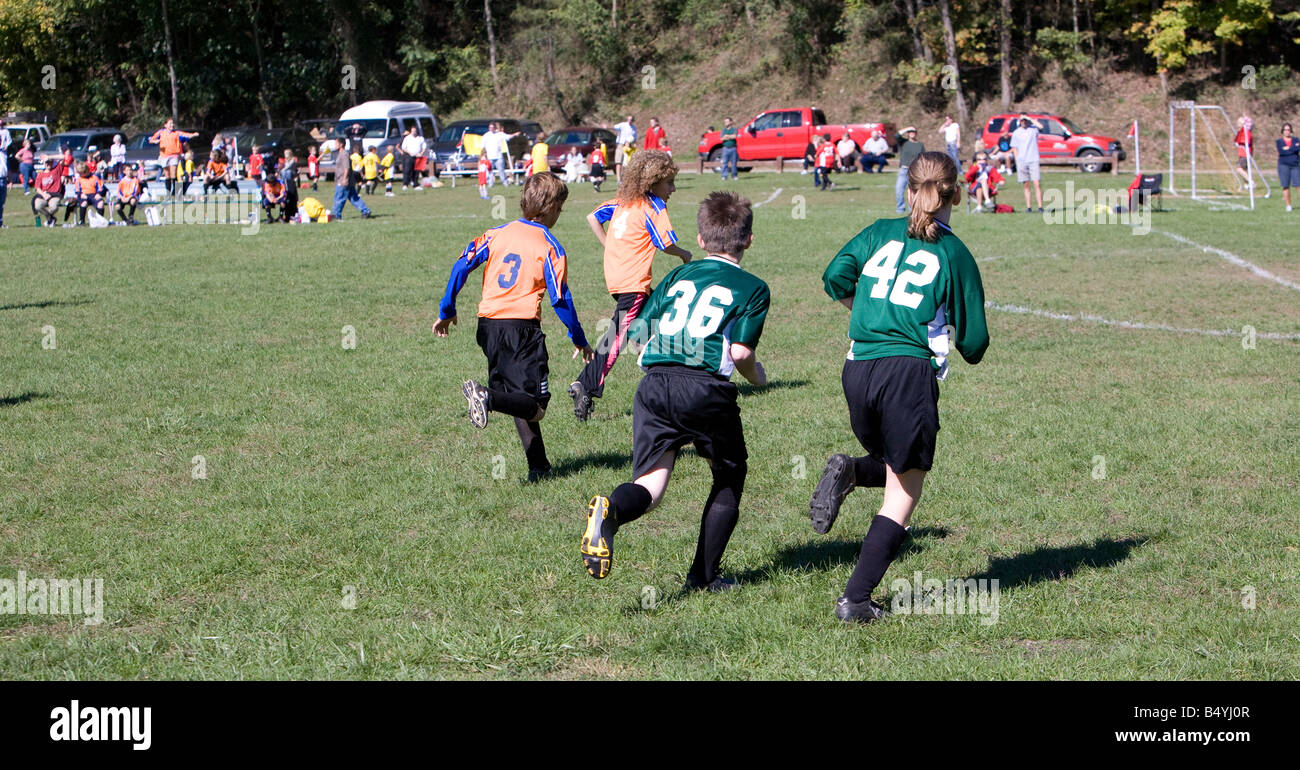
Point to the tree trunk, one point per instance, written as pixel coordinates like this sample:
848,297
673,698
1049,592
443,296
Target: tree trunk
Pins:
613,15
919,46
550,75
492,46
253,9
171,65
1004,49
950,45
1074,15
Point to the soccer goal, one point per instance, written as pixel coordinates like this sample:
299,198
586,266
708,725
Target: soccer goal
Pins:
1208,134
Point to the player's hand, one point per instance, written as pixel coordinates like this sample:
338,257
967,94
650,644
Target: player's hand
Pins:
585,351
762,375
442,327
686,257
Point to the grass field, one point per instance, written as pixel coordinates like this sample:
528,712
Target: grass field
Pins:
1132,489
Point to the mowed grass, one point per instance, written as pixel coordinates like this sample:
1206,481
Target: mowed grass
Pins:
354,525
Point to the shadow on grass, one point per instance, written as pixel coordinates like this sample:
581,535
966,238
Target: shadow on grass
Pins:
21,398
1057,563
571,465
46,303
826,553
749,389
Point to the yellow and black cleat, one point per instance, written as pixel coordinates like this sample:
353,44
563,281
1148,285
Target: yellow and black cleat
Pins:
597,550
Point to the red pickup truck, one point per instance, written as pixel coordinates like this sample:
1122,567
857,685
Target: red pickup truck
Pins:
785,132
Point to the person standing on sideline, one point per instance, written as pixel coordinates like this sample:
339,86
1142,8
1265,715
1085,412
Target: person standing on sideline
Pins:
540,152
952,140
655,138
626,138
1245,141
1024,147
413,146
26,166
729,152
1288,162
908,150
346,181
6,139
498,152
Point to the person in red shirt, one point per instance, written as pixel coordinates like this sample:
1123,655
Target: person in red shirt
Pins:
313,166
255,164
521,261
597,164
825,162
655,139
1245,141
168,140
49,191
984,181
128,195
484,168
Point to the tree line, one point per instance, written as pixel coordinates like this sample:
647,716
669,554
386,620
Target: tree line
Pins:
134,62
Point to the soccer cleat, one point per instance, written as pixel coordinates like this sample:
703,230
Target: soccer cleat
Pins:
582,403
719,585
597,550
858,612
836,483
477,396
538,474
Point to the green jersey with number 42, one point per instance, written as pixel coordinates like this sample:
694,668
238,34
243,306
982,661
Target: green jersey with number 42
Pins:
910,297
698,310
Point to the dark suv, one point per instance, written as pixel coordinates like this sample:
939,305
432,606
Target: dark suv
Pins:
447,148
82,142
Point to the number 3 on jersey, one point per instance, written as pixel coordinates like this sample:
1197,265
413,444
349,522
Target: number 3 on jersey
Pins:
514,260
703,318
883,266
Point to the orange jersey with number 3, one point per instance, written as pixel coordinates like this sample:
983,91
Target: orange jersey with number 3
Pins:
515,273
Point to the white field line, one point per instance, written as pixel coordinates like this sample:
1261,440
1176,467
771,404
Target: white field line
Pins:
771,197
1089,318
1233,258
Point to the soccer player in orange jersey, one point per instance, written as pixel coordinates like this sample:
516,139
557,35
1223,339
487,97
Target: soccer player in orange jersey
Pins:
168,140
638,229
522,260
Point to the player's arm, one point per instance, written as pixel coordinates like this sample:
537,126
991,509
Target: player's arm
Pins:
840,280
554,269
475,254
745,333
663,237
966,301
597,227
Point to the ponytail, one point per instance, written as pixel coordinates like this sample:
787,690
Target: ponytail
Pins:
932,178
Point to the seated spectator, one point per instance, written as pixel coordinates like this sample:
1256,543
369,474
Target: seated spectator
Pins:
128,195
1003,156
846,151
810,153
49,192
873,153
984,181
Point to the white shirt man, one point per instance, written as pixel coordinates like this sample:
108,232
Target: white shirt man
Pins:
625,136
498,152
414,145
1024,144
876,145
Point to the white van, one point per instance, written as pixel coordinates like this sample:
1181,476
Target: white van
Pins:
387,121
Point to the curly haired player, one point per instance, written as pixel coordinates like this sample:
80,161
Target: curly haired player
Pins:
910,284
638,229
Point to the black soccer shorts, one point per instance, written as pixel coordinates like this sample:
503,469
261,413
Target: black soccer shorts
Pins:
517,357
894,409
677,405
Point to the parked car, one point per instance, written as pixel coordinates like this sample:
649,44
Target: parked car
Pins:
584,138
786,132
82,142
447,148
36,133
532,129
319,128
1058,138
387,120
275,141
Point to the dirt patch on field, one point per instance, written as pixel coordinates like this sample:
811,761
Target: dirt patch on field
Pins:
589,668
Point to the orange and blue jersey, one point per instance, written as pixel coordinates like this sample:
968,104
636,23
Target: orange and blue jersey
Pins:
523,260
169,142
636,231
128,187
89,185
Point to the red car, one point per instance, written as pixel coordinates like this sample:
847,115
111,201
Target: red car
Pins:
785,132
583,138
1057,138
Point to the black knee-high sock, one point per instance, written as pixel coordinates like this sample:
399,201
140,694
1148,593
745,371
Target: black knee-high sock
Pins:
721,513
530,434
518,405
879,548
868,472
630,502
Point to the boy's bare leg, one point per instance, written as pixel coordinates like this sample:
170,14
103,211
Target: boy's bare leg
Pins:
627,503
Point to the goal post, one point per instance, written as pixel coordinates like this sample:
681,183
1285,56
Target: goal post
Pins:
1211,153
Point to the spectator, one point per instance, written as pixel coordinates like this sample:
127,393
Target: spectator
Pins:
5,140
1024,147
346,180
484,168
729,152
1003,155
625,134
1245,141
116,157
573,166
1288,162
908,150
984,181
846,151
873,153
495,143
810,154
412,147
655,138
289,175
26,165
49,192
539,153
952,140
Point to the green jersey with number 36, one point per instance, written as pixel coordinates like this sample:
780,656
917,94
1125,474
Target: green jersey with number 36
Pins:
698,310
910,297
